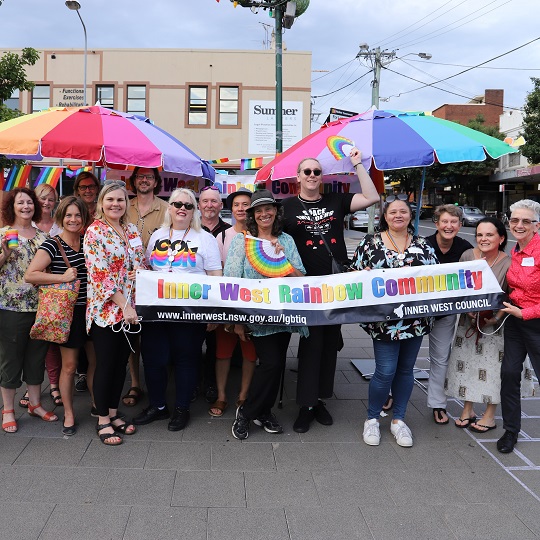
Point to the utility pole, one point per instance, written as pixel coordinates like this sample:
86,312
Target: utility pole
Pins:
284,12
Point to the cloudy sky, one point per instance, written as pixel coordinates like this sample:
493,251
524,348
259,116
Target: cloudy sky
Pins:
459,34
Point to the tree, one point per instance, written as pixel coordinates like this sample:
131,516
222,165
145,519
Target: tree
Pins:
531,123
13,77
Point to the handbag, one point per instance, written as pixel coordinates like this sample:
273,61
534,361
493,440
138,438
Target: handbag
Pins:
337,266
55,308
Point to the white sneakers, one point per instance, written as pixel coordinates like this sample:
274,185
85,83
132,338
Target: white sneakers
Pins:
402,433
372,434
400,430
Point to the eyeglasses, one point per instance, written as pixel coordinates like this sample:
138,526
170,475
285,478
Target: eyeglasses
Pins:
147,176
526,222
89,187
398,197
213,188
316,172
119,183
186,205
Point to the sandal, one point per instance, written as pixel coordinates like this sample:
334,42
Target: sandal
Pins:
388,404
10,424
484,428
47,417
126,428
217,408
57,400
104,437
134,394
438,416
468,422
24,401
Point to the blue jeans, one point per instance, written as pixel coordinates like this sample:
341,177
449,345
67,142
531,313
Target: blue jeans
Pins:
394,364
164,343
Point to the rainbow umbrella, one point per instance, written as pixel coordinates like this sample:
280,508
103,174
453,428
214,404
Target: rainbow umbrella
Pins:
99,135
388,140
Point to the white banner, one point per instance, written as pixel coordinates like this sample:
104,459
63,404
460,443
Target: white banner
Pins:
375,295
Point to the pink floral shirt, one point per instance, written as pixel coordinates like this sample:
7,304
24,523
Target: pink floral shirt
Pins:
108,260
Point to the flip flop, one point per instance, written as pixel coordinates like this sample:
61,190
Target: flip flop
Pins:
219,406
438,418
468,422
134,394
484,430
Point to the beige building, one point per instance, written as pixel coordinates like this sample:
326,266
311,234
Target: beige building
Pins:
217,102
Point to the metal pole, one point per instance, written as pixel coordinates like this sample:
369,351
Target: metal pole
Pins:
376,78
279,81
85,56
419,202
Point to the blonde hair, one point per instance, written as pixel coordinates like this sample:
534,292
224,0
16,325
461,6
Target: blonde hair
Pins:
195,220
42,189
107,188
299,168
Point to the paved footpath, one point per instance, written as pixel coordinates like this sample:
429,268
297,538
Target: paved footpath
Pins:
202,484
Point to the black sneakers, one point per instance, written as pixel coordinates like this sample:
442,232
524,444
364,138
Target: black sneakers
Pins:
269,423
305,417
179,420
150,414
240,427
81,384
322,415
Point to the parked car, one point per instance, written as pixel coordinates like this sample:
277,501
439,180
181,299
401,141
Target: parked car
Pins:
226,216
414,207
471,215
360,220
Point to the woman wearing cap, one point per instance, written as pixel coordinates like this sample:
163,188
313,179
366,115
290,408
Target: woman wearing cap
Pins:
238,202
396,343
181,246
113,251
265,221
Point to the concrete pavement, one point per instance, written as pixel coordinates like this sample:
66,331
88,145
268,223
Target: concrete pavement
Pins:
325,484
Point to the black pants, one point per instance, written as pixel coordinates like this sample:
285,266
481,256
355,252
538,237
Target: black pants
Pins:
112,354
520,338
208,361
272,353
317,364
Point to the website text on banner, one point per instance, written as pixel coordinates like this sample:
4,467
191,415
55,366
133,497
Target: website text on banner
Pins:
375,295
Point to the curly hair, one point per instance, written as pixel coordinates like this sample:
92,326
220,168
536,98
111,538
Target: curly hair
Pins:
157,178
277,226
501,229
61,211
383,224
196,218
8,208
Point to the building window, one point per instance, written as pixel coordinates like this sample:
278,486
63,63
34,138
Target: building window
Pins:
105,95
198,106
228,105
514,159
136,100
13,101
41,97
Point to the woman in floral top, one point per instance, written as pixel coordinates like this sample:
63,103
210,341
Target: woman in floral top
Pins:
396,343
113,251
19,354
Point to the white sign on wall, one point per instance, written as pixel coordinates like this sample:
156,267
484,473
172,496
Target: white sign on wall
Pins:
262,125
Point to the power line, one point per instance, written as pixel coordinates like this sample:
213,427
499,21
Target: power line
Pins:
334,91
480,67
333,71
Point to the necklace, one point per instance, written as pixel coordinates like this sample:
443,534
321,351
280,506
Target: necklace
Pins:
401,253
75,247
312,202
493,263
171,253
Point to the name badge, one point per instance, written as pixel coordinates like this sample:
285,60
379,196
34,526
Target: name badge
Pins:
135,242
527,261
415,250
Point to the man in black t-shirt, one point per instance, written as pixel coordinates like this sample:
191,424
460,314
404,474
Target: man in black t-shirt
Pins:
308,218
448,247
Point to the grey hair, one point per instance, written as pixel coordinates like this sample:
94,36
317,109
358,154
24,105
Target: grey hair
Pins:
527,204
195,220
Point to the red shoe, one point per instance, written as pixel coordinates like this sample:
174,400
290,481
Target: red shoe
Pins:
47,417
6,425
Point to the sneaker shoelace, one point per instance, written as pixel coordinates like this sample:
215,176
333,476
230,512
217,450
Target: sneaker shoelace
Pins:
372,429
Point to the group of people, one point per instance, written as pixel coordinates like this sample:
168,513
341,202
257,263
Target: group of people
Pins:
107,240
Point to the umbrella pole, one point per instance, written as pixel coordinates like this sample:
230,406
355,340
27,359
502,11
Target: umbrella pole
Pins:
61,164
419,202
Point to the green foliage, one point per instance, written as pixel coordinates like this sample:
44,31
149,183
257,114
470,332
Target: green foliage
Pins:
531,124
13,74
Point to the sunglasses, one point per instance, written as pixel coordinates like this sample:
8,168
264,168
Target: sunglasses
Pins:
119,183
186,205
206,188
526,222
398,197
316,172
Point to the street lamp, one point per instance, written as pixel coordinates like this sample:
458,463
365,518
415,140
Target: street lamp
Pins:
75,6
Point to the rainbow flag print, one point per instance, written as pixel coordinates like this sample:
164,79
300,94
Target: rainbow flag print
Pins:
221,160
74,171
251,163
17,177
49,175
262,255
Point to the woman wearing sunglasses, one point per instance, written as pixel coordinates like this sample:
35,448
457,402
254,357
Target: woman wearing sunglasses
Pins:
396,343
179,245
113,251
522,328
